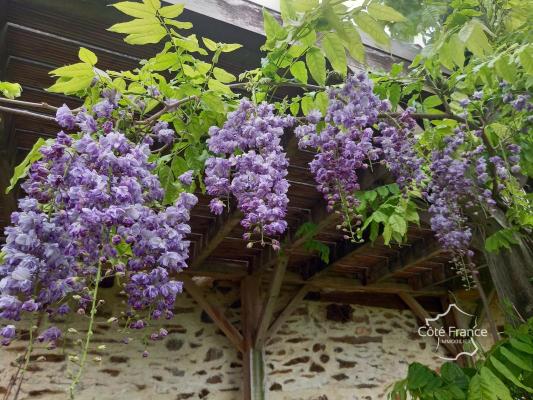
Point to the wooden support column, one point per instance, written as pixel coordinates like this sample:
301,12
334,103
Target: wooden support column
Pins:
253,385
270,301
422,314
216,314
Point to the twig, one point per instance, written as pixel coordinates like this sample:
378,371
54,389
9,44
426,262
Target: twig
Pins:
27,113
42,105
430,116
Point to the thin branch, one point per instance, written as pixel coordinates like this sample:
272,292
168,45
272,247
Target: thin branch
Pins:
21,103
425,116
26,113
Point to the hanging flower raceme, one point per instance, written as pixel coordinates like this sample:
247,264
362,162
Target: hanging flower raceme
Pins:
92,210
250,164
345,145
398,148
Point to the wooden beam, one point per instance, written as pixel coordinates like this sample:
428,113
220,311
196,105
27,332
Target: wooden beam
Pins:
216,314
215,236
248,16
422,314
270,301
344,284
420,251
319,216
288,309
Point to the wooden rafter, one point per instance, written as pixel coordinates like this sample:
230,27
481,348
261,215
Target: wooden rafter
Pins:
422,250
288,309
215,313
223,226
340,256
320,217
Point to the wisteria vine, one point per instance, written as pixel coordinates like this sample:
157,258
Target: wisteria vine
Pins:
250,164
92,210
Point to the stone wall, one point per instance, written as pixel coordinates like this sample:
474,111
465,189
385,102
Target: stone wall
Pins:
310,357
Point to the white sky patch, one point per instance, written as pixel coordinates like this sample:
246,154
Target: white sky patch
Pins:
274,4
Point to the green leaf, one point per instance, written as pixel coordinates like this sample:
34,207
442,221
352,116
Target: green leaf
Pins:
304,5
353,44
212,102
452,373
384,13
505,68
398,224
307,229
526,59
135,9
153,4
23,168
223,76
432,101
383,191
229,47
72,85
273,29
163,62
479,390
140,31
10,90
217,86
307,104
473,36
166,177
372,27
502,369
457,50
287,11
87,56
295,108
497,387
334,51
387,234
321,102
299,71
516,359
172,11
503,238
210,44
74,70
317,65
178,24
124,249
418,376
519,345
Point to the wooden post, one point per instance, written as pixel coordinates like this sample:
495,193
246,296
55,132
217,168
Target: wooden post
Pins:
253,386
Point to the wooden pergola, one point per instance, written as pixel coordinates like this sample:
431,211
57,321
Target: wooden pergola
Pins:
38,36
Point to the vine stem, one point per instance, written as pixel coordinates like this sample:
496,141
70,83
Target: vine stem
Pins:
26,358
89,332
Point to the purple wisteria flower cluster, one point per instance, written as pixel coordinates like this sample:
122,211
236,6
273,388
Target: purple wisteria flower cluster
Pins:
92,204
250,164
345,145
398,148
449,189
